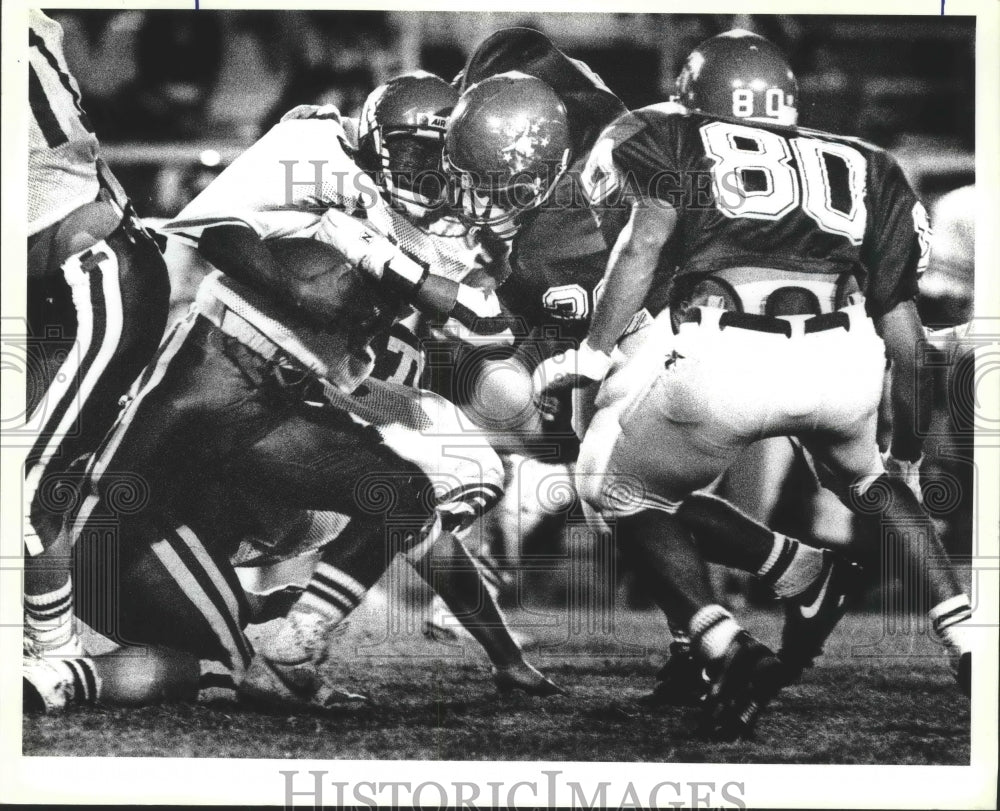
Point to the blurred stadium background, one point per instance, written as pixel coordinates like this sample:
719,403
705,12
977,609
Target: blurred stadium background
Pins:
175,95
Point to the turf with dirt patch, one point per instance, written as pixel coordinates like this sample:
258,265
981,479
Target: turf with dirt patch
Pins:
433,701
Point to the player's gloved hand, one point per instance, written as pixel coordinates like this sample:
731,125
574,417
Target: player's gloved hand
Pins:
909,472
369,250
571,369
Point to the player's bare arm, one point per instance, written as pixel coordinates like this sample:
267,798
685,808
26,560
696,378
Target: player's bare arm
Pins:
631,268
901,331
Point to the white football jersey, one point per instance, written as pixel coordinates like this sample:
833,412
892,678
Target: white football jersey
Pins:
62,149
282,185
302,168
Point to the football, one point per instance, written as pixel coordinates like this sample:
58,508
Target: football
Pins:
347,293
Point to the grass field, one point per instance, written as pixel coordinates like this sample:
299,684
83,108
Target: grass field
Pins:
437,702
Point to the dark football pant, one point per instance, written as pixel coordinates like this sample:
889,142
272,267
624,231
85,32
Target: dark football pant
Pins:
147,580
98,293
205,410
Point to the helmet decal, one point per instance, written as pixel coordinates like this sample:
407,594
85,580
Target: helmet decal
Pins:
506,145
528,137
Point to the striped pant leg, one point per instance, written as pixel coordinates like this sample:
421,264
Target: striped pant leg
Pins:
151,581
136,440
119,293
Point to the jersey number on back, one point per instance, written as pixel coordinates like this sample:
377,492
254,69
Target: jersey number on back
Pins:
753,177
571,302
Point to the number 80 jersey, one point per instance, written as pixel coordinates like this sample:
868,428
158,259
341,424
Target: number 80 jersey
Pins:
764,195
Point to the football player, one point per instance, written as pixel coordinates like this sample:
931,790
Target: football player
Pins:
792,279
522,200
399,147
97,308
515,149
555,258
245,368
715,79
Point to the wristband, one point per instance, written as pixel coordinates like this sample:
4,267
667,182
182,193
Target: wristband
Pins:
405,273
593,363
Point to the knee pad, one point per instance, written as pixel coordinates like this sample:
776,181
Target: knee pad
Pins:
473,487
464,466
460,507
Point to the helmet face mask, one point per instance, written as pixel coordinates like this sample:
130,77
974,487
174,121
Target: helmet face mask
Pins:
411,172
739,75
499,206
506,146
400,138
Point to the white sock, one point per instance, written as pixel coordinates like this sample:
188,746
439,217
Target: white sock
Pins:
712,630
329,597
332,593
791,567
950,620
48,618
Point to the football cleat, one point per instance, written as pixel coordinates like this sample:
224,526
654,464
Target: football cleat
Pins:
524,678
743,682
681,682
48,684
294,685
811,616
288,669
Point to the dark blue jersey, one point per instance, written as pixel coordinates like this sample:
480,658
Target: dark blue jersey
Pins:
764,195
560,252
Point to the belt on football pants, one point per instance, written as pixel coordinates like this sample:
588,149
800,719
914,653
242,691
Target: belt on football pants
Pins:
294,378
224,308
770,324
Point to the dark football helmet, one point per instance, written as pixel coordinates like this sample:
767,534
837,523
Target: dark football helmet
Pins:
506,145
739,74
400,136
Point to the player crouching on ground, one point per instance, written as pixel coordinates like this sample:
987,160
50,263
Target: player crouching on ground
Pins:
233,394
